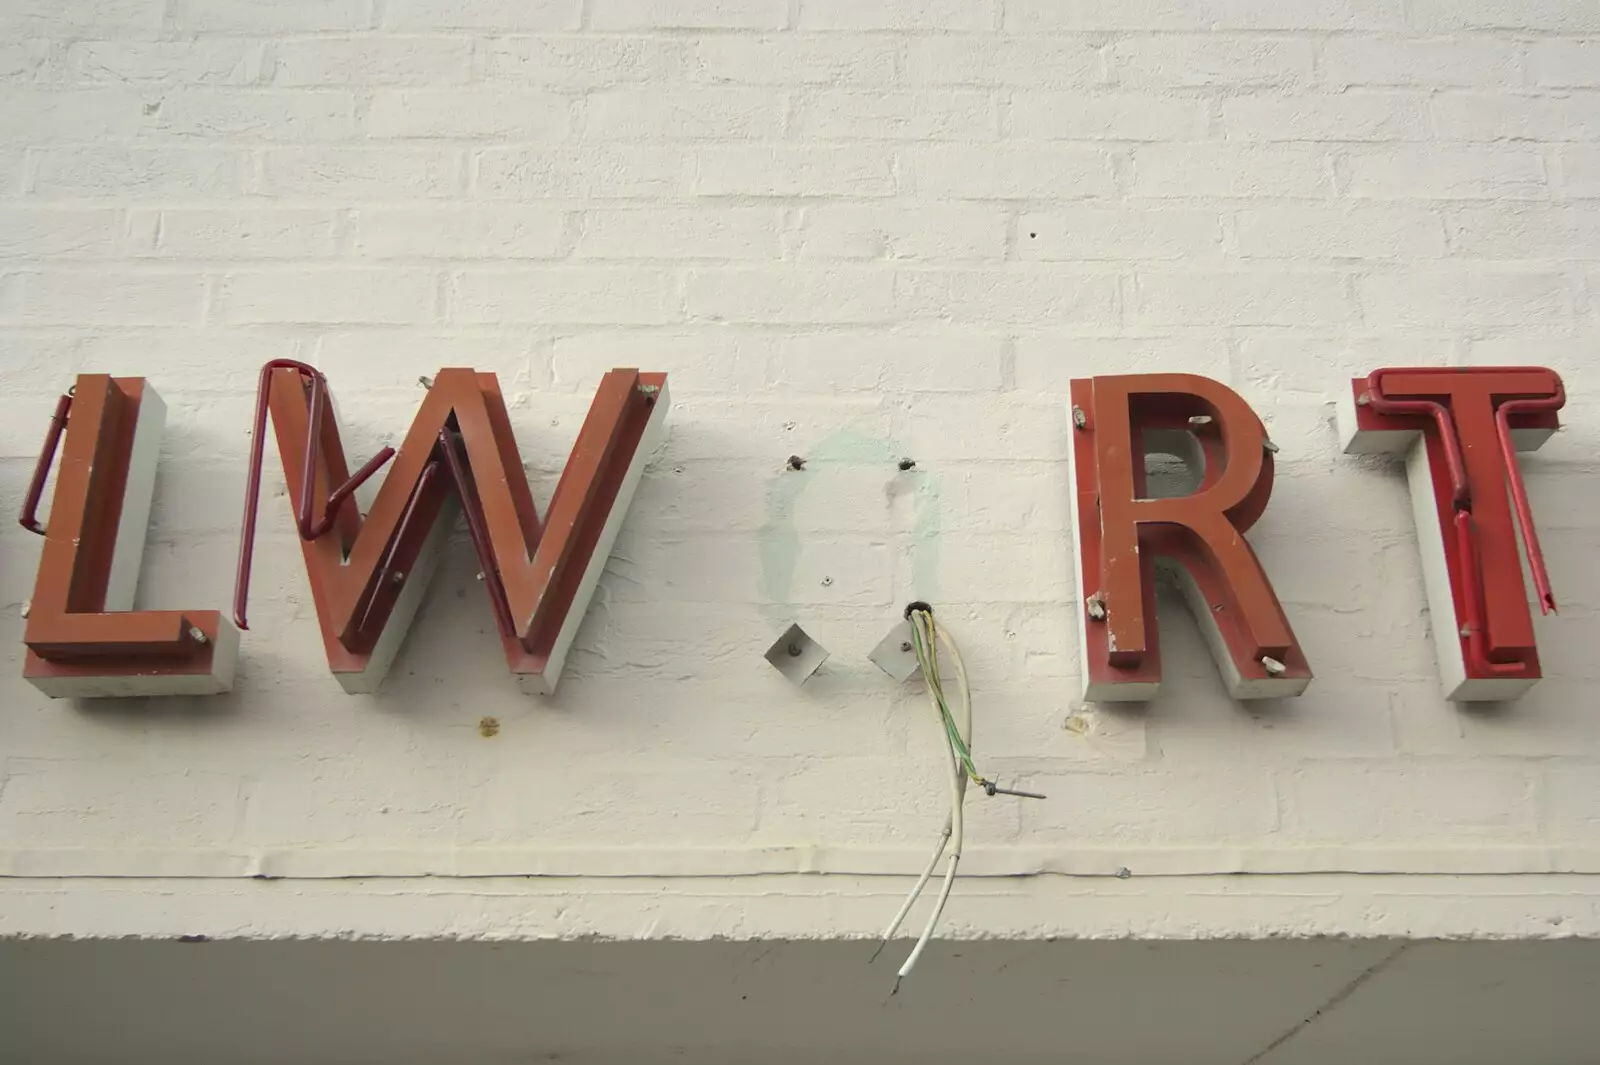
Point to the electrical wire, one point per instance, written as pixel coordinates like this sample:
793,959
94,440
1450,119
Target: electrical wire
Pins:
927,636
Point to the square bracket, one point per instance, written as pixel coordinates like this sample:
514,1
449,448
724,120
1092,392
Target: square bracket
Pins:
895,654
796,655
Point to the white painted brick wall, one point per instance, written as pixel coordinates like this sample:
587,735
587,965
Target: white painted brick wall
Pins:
853,230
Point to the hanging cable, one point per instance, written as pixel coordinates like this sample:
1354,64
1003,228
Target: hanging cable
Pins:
957,735
927,636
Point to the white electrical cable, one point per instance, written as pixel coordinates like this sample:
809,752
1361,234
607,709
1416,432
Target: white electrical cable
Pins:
949,820
916,890
953,835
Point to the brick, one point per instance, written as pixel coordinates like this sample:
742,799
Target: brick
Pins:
1306,15
705,360
1457,298
1038,640
1130,233
291,808
985,59
1344,231
45,359
912,806
1210,60
457,232
1566,16
1335,719
1151,806
84,297
21,60
231,233
371,61
1047,363
1351,116
1239,299
1444,173
195,62
393,358
72,18
614,814
681,233
717,569
919,116
30,115
1227,170
1499,116
261,114
593,172
43,806
189,367
281,16
1571,803
1024,16
689,14
1564,64
362,173
946,232
469,113
1412,803
579,62
123,173
843,295
759,170
1011,567
1555,492
1105,116
875,362
792,59
1022,295
1453,61
979,428
335,296
12,168
897,14
1578,167
1526,231
685,114
514,15
565,295
72,233
1011,171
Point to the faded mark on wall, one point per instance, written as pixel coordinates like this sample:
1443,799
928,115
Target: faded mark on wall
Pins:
781,540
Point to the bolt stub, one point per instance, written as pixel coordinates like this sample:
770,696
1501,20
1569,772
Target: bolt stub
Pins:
1273,666
1096,605
196,635
1080,419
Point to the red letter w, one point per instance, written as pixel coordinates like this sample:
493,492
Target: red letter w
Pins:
368,573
